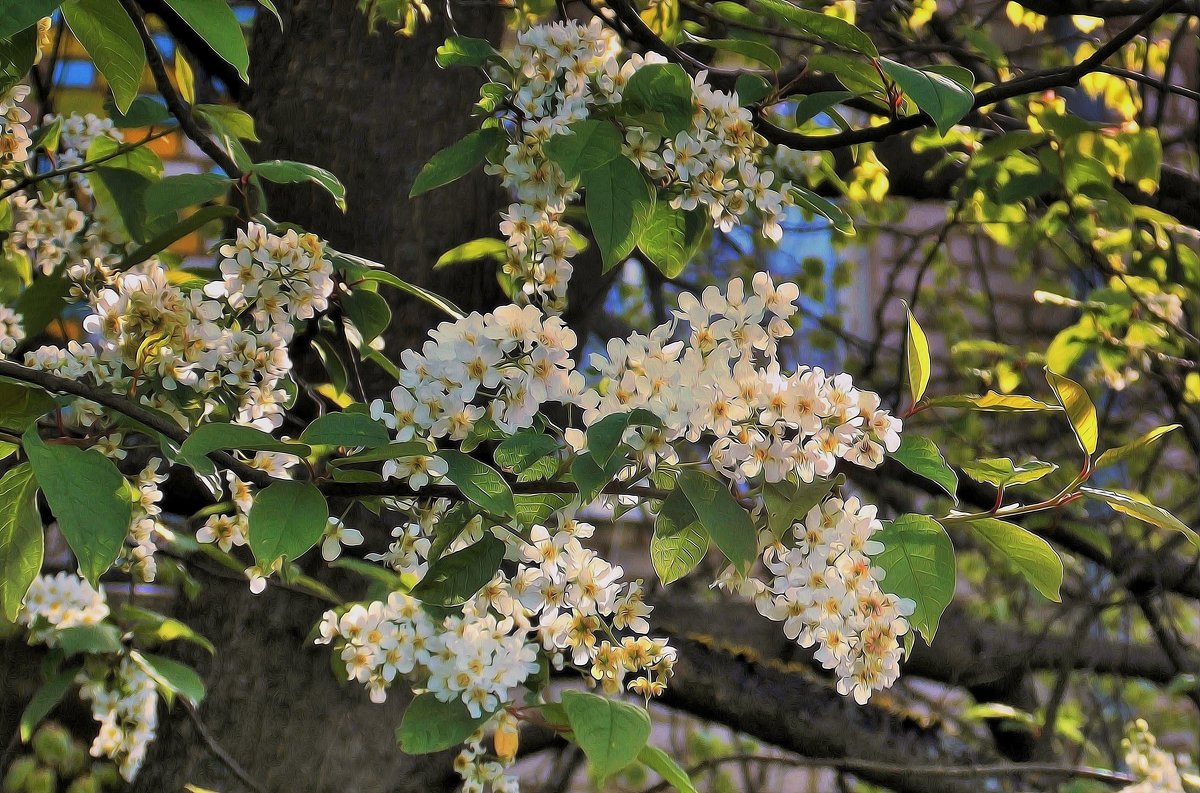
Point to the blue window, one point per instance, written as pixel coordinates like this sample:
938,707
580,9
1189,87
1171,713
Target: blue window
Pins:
74,74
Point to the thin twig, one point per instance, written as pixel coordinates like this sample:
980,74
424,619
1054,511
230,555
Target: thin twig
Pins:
218,751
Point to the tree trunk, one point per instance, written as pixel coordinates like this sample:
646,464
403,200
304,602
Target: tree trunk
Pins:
371,108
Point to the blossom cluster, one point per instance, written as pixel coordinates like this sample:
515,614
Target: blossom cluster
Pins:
513,359
561,597
763,421
12,332
562,73
123,696
175,346
14,137
826,592
58,602
124,700
1155,768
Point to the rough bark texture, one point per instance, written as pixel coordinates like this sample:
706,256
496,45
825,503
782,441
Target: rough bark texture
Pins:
371,108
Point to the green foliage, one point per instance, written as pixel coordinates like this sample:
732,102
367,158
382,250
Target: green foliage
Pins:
287,519
479,482
672,237
917,358
112,41
922,457
208,438
466,51
455,577
21,541
829,29
618,200
346,429
289,172
1138,506
1002,472
430,725
485,248
612,734
214,21
659,97
726,522
1029,554
173,678
457,160
661,763
789,502
89,498
945,99
918,562
1080,410
680,542
591,144
44,700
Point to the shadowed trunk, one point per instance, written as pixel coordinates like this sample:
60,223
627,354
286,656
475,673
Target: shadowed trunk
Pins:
371,108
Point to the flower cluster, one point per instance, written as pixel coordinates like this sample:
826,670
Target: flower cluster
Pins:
765,422
1155,768
11,331
826,593
187,349
58,602
14,137
124,700
514,359
137,556
480,773
561,73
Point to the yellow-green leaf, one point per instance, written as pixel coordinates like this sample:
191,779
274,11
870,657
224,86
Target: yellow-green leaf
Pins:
1138,506
1080,410
1029,554
1121,453
1001,471
917,354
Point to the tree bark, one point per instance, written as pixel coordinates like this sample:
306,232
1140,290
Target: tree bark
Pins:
372,108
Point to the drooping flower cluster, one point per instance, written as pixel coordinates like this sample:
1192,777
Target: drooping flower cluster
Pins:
11,331
137,555
764,421
124,701
561,597
14,137
826,592
176,347
57,602
513,360
1155,768
561,73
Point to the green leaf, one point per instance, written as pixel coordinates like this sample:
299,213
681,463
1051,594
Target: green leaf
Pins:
286,519
922,457
368,311
618,202
152,628
813,105
942,98
604,437
455,578
142,112
290,172
89,498
823,207
754,50
172,676
123,191
466,51
391,451
215,22
591,144
437,301
722,517
457,160
479,482
430,725
991,402
112,41
18,15
346,429
1080,410
1001,472
788,502
185,79
661,763
21,540
43,301
16,59
672,237
537,508
611,733
523,449
229,120
21,405
827,28
101,639
751,89
1122,453
1135,505
174,193
198,219
208,438
918,558
1028,553
483,248
44,700
679,543
917,355
662,88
